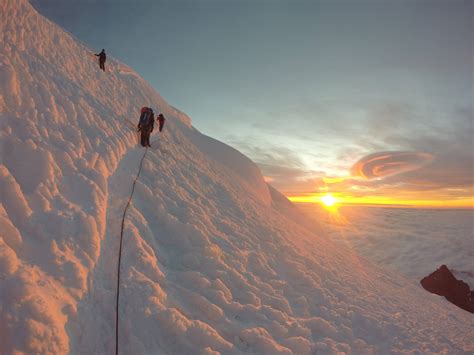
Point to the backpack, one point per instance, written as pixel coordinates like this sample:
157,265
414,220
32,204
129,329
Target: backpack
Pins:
146,117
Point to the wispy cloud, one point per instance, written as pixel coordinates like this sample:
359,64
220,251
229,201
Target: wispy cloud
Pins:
389,149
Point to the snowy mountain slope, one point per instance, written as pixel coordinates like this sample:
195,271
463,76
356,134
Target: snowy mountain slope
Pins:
212,260
233,161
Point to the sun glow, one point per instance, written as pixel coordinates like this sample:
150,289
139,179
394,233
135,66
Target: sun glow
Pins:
328,200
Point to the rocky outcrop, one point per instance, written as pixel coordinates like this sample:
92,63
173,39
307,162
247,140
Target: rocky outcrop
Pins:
442,282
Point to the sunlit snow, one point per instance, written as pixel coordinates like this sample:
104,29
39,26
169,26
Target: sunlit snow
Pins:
214,261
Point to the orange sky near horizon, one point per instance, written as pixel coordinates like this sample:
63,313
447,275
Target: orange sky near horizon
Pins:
391,178
392,201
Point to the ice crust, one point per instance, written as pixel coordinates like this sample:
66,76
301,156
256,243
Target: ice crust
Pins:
214,260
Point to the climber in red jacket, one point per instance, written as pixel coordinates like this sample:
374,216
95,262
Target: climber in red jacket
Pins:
161,120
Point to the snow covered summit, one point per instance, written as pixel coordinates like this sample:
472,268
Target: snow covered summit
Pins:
214,260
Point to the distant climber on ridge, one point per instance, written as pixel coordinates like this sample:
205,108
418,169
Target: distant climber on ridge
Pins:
161,120
102,58
145,125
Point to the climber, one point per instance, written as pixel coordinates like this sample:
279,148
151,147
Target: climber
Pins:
145,125
102,57
161,120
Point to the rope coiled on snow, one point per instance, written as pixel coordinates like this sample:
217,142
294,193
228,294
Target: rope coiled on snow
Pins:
120,251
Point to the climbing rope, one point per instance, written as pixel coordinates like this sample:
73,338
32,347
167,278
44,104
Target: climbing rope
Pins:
120,251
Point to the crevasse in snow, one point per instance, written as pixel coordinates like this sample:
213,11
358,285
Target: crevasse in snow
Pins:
214,260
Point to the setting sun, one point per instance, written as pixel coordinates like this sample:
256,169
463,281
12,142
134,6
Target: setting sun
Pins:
328,200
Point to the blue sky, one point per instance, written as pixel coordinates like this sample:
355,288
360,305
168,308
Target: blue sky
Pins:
305,88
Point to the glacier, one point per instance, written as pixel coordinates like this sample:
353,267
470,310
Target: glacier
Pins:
214,259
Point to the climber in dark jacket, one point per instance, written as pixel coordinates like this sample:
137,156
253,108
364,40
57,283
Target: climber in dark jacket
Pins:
145,125
102,58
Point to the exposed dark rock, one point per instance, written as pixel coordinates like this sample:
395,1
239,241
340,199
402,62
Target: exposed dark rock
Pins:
442,282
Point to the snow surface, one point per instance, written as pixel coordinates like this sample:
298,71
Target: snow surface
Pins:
214,261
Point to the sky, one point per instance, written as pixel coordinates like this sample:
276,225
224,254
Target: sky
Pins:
370,101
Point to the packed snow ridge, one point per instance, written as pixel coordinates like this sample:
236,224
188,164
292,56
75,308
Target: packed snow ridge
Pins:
214,260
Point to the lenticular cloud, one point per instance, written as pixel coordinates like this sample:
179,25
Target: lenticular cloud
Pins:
382,164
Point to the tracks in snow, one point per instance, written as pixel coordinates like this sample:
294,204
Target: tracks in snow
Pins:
96,312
